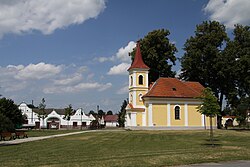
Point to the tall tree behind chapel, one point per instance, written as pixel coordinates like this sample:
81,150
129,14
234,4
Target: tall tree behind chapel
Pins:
202,58
158,54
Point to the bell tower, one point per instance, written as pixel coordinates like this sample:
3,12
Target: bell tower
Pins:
138,86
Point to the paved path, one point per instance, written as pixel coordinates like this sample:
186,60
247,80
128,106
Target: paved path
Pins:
221,164
29,139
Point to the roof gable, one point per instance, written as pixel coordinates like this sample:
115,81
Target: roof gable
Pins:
172,87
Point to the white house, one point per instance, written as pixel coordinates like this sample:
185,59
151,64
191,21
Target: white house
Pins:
55,118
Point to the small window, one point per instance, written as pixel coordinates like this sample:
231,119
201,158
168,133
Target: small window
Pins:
177,112
140,80
131,81
140,97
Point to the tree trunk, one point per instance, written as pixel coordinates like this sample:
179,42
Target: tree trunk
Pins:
211,131
219,117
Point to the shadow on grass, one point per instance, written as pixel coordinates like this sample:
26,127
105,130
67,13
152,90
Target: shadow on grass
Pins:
239,130
208,140
7,144
215,145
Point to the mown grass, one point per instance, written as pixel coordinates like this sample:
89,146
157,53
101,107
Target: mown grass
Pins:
46,132
129,148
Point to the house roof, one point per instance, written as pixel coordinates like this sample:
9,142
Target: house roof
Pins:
138,61
172,87
49,110
110,118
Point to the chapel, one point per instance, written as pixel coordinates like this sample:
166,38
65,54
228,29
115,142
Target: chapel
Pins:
166,103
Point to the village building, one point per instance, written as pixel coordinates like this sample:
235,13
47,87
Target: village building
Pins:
54,119
166,103
111,120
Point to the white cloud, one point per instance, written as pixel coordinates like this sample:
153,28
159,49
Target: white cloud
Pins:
77,88
122,54
45,15
229,12
35,71
104,59
69,80
120,69
123,90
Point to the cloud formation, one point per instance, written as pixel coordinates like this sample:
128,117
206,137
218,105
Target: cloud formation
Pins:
22,16
48,79
120,69
229,12
122,54
76,88
35,71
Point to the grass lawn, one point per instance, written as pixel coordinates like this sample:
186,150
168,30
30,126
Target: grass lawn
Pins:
129,148
36,133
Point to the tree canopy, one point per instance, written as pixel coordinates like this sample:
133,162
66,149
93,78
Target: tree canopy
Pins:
158,54
209,107
68,112
202,60
10,116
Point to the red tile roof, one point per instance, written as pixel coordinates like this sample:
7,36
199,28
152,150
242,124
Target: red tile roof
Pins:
172,87
138,61
110,118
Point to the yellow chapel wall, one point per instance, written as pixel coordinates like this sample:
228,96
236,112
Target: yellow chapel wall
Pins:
159,114
194,117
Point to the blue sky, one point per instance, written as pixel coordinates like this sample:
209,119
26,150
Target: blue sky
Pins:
76,52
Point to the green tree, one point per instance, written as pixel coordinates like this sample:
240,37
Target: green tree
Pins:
209,108
202,59
68,113
92,113
241,111
41,113
10,116
101,113
109,112
158,54
122,114
238,50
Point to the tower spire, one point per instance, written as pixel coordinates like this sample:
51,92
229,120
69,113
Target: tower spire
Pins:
138,61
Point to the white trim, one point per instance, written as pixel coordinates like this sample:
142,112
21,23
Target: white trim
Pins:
134,79
144,119
133,119
186,114
150,115
134,98
168,115
202,120
146,79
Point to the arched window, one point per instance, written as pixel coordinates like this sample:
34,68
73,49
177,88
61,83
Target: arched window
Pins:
177,112
131,81
140,80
